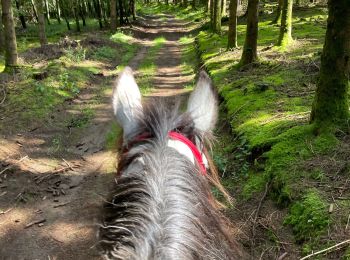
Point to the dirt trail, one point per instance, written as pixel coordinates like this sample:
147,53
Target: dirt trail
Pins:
63,185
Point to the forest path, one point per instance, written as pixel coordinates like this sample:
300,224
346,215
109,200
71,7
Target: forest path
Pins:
59,176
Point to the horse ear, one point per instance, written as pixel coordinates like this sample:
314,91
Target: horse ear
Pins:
127,101
203,104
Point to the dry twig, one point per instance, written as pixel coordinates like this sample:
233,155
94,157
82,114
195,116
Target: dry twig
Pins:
336,247
10,166
259,206
4,95
35,222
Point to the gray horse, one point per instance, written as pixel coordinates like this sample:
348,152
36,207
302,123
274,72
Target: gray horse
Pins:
161,205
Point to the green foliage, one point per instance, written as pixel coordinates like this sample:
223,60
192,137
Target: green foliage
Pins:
264,106
81,120
105,53
75,54
128,46
308,218
122,37
67,84
346,255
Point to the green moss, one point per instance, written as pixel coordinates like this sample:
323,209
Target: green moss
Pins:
255,183
308,217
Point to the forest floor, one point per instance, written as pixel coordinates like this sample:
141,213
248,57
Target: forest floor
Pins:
57,163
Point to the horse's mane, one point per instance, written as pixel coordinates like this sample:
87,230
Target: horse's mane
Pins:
161,206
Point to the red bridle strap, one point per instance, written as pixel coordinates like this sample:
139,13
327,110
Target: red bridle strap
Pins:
178,137
196,153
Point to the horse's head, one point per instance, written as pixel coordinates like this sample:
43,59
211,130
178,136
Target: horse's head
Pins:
202,104
162,206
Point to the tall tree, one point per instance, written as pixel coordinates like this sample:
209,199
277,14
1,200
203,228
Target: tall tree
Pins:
76,15
64,9
20,14
232,25
34,10
223,7
41,17
47,11
277,19
82,11
217,16
10,34
133,9
113,15
285,36
331,102
99,12
58,11
2,36
250,54
211,13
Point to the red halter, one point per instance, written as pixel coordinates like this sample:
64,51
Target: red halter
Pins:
196,153
181,138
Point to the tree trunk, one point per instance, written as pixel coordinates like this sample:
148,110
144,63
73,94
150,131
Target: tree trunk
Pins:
34,11
217,16
113,15
2,36
211,13
331,102
223,7
285,36
76,16
20,14
58,11
42,35
232,25
277,19
10,34
98,12
64,13
47,12
121,12
81,11
103,11
133,9
250,54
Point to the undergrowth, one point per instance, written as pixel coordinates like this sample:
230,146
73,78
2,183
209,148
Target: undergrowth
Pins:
267,107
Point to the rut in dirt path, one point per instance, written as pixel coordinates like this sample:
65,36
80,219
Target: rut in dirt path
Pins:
70,220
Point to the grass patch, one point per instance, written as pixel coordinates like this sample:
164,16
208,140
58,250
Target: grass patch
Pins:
148,67
113,136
